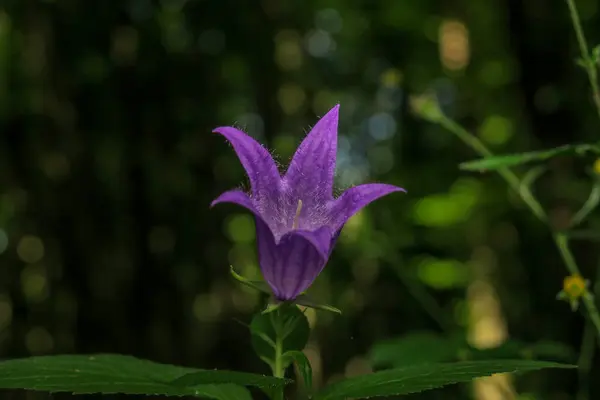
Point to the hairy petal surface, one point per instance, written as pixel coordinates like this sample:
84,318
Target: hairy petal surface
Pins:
236,197
310,174
354,199
292,265
259,165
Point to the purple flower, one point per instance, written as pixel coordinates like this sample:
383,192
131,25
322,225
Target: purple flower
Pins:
297,219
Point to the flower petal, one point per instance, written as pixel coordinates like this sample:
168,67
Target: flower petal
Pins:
321,239
310,174
236,197
354,199
257,161
292,265
267,255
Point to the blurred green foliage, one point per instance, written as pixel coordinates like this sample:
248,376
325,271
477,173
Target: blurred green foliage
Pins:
108,167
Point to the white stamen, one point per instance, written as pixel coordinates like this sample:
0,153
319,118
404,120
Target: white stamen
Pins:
295,224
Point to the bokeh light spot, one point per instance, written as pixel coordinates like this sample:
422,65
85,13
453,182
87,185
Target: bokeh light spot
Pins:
496,130
30,249
240,228
496,73
454,45
382,126
440,210
207,307
291,98
443,274
288,50
39,341
34,283
319,43
391,77
329,20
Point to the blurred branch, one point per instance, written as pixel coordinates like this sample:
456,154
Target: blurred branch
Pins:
586,355
428,108
589,206
513,181
424,298
588,62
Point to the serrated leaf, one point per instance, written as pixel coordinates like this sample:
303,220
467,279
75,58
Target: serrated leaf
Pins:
111,373
511,160
413,348
418,378
303,366
238,378
430,347
295,335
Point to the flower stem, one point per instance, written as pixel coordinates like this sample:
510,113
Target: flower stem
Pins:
278,369
589,63
534,205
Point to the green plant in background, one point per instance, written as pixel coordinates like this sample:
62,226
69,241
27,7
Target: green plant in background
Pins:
575,289
427,107
298,223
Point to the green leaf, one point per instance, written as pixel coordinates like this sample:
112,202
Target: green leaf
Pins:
113,373
272,306
238,378
511,160
418,378
261,286
413,348
306,301
430,347
596,55
295,333
303,365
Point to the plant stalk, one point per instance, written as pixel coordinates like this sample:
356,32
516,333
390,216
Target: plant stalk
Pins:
534,205
278,369
588,61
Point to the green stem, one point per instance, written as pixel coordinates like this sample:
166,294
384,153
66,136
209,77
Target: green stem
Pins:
584,364
567,256
589,63
534,205
278,369
588,350
513,181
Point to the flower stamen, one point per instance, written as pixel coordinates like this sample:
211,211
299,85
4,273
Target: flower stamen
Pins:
297,217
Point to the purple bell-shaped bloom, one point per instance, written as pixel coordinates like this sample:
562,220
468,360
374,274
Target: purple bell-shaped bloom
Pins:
297,218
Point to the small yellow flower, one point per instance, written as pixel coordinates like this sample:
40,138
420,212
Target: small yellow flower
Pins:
597,166
574,286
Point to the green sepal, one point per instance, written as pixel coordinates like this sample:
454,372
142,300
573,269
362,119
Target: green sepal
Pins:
272,306
261,286
304,300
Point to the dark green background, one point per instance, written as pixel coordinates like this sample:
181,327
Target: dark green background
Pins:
108,167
